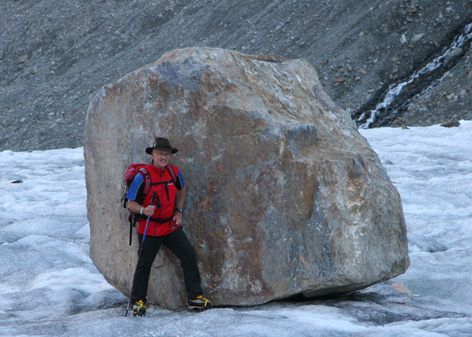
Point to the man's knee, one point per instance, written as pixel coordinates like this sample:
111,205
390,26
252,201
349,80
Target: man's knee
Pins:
189,257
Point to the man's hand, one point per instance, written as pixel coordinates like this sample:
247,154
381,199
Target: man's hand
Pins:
136,208
177,217
149,210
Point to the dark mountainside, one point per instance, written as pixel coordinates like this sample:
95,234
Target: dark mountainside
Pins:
55,55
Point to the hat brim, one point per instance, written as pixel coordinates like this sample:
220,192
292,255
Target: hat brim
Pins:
150,149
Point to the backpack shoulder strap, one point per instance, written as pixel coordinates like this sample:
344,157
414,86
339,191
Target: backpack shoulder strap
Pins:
175,179
147,180
172,173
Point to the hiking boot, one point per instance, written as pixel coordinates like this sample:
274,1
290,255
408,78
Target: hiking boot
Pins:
199,303
139,309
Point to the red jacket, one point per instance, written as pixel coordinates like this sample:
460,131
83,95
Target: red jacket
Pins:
166,193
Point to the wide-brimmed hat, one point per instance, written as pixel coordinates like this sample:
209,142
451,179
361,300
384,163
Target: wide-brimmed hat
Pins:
161,143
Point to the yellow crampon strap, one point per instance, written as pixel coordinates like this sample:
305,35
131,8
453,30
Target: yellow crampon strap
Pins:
204,299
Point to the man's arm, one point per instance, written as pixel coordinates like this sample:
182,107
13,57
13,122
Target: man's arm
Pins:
181,194
136,208
179,203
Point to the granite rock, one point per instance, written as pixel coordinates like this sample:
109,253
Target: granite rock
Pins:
284,197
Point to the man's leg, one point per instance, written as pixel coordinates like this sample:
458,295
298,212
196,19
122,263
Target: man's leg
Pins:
179,244
147,254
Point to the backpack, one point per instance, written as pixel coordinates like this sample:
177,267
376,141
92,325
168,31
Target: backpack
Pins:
130,173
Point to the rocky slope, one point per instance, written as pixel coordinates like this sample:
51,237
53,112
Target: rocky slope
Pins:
55,55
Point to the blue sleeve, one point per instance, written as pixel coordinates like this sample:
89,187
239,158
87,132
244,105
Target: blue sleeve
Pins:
133,189
182,182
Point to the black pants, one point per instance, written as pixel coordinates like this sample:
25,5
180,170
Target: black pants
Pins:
179,244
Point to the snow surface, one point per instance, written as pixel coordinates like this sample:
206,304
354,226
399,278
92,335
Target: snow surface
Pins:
50,287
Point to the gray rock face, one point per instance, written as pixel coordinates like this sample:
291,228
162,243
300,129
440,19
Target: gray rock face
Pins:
55,55
284,195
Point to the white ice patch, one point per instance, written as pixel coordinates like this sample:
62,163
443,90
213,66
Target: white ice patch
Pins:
50,287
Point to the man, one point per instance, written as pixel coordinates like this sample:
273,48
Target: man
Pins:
163,220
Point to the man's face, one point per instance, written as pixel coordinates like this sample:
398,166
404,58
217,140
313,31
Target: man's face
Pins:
161,158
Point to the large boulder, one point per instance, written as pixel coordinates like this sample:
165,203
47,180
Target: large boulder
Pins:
284,196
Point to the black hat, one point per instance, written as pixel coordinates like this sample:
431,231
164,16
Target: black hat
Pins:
161,143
